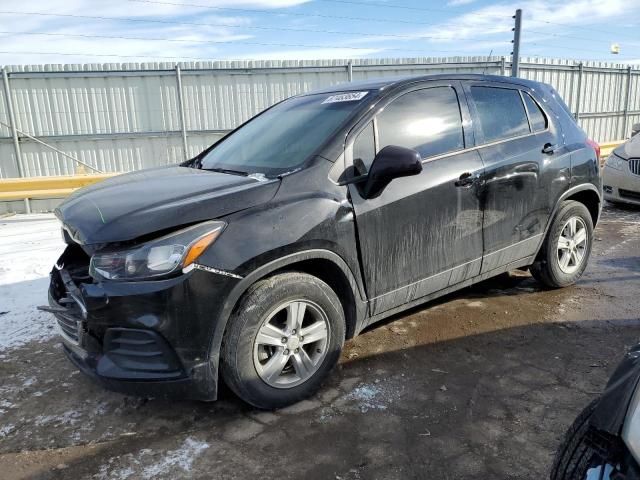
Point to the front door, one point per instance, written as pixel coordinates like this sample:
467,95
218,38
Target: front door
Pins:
423,233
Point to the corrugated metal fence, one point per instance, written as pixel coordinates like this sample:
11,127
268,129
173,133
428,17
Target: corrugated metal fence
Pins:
121,117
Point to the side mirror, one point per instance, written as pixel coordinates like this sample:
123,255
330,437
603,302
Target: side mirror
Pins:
635,129
390,162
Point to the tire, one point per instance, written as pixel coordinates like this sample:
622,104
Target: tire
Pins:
549,268
574,456
267,308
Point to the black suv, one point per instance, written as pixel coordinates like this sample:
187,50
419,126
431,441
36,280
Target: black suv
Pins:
327,212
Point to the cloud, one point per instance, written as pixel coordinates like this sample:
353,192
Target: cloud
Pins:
143,42
458,3
311,54
199,33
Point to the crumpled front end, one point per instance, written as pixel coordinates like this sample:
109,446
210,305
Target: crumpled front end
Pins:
147,338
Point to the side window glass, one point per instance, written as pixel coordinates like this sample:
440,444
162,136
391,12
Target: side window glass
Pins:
427,120
536,115
501,114
364,149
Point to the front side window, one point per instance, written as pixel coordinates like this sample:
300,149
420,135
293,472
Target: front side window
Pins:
427,120
283,137
536,115
501,113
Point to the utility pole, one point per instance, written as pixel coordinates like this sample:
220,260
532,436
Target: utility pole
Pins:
515,55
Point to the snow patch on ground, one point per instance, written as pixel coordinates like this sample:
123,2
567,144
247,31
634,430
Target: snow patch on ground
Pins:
29,246
70,417
148,464
6,430
371,396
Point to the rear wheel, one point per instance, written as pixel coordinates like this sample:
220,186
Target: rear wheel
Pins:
283,339
566,250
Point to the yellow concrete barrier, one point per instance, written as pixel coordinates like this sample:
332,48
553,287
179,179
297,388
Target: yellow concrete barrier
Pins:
46,187
607,148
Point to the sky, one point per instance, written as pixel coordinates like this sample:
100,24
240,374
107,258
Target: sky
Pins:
90,31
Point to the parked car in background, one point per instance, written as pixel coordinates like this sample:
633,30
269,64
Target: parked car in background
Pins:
322,215
621,173
604,441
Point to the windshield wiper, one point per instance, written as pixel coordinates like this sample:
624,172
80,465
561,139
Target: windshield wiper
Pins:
227,170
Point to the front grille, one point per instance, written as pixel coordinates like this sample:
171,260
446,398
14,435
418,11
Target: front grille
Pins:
68,306
634,166
69,327
629,194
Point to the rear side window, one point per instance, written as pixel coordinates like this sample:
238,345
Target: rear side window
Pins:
501,113
427,121
537,117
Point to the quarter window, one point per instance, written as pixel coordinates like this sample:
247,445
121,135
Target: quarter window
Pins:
364,149
426,120
501,113
536,116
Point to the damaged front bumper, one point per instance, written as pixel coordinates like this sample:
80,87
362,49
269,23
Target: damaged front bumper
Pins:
148,338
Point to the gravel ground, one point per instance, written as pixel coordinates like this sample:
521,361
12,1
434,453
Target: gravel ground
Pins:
480,384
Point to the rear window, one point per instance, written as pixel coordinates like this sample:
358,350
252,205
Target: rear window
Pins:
501,113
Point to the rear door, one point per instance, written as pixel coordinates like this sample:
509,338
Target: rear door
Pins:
424,232
520,148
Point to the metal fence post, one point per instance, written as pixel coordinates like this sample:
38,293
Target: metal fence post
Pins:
12,121
350,71
183,123
579,94
515,55
627,100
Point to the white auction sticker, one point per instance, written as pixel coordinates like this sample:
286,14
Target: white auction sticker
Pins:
345,97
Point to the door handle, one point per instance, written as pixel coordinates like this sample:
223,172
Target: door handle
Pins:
549,148
466,179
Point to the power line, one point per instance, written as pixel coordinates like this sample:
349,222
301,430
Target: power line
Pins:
217,42
567,36
270,12
115,56
589,29
150,57
227,25
386,5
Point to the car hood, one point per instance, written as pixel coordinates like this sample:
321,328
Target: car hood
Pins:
630,148
129,206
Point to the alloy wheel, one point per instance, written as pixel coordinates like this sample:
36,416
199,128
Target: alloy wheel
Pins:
572,245
291,343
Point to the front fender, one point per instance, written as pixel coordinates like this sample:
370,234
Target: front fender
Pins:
612,407
241,287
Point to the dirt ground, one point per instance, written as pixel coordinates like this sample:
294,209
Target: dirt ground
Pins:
480,384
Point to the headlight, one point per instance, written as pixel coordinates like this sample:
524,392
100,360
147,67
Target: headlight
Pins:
157,257
615,161
631,428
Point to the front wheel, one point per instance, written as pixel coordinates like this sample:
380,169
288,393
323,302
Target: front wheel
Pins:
589,454
566,250
283,339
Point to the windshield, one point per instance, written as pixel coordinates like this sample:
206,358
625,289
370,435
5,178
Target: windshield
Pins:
283,137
